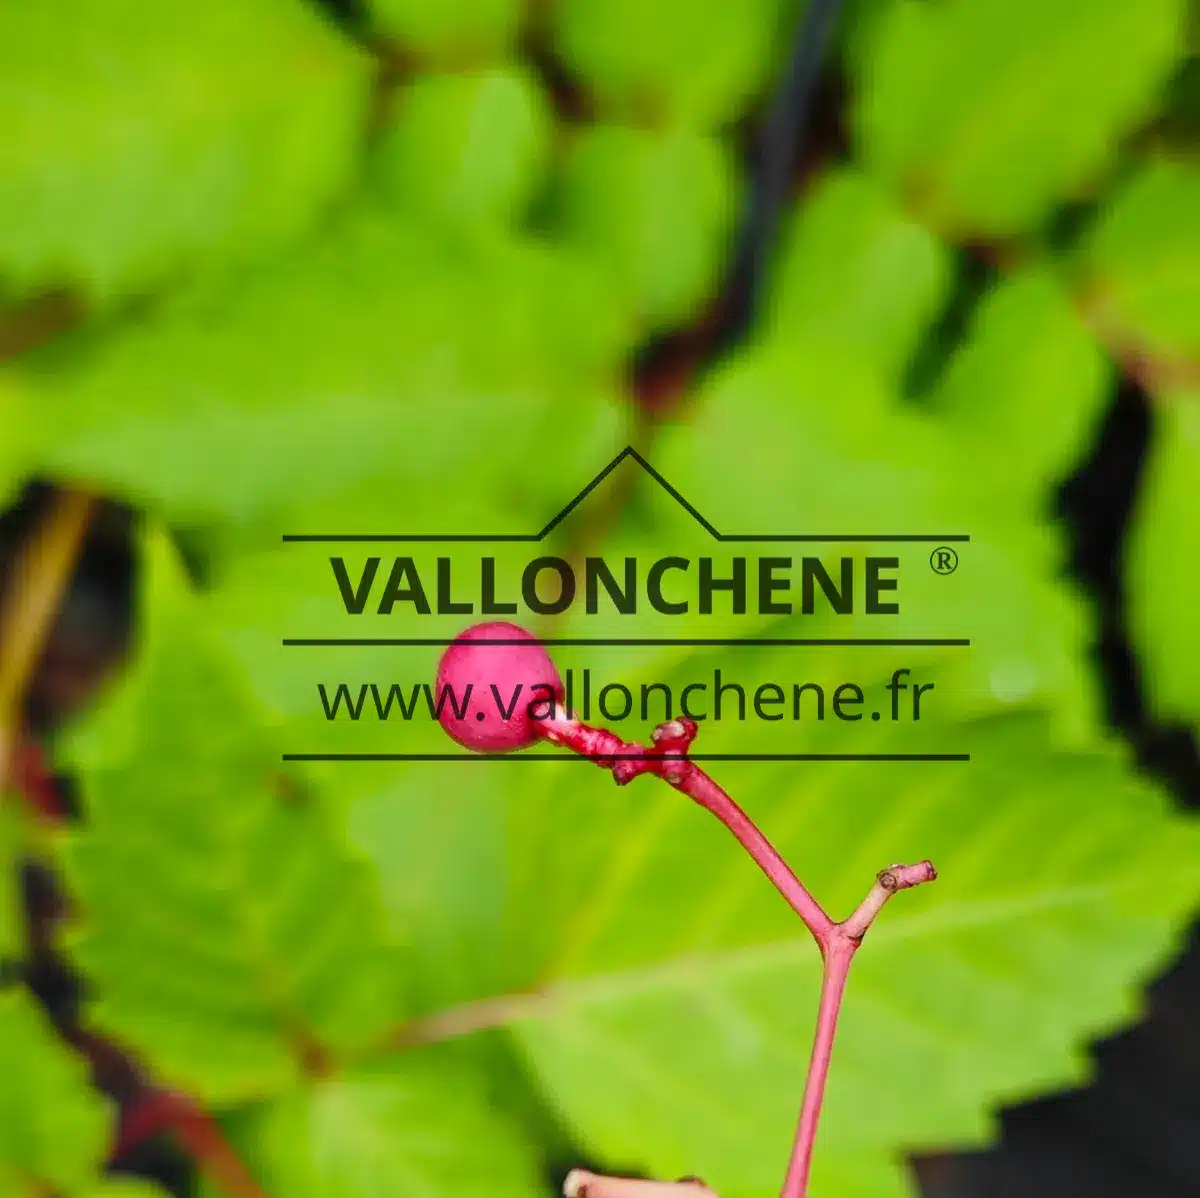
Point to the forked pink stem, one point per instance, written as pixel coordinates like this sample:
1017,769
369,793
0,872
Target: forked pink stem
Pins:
843,944
838,942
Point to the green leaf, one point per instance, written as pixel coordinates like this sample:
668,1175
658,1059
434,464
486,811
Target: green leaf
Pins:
856,270
657,208
124,1187
804,439
467,148
14,441
53,1128
145,141
701,64
12,918
678,992
231,936
449,31
420,1122
1141,265
1163,582
333,373
442,865
1037,110
1025,390
857,25
1180,120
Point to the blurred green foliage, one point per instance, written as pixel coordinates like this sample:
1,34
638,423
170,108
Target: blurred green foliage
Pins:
855,268
12,932
657,208
1037,108
54,1129
698,64
304,311
144,142
1164,583
467,147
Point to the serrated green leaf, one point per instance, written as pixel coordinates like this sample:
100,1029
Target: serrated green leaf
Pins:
1026,388
143,141
231,936
420,1122
656,208
1142,262
53,1127
698,64
678,991
449,31
1037,110
1163,583
855,270
331,373
467,148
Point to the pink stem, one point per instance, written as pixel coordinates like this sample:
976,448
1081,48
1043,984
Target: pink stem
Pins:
698,785
838,942
839,953
833,986
667,759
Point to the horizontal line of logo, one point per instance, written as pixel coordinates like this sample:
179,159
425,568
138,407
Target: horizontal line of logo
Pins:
625,757
797,642
528,538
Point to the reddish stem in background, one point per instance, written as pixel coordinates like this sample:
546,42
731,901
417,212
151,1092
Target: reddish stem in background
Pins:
198,1133
838,942
32,779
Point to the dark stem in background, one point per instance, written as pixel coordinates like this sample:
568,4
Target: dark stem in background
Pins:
664,367
1097,504
773,160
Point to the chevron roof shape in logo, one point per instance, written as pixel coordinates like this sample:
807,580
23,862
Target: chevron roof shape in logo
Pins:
632,455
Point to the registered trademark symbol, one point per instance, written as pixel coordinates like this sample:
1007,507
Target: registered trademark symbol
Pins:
943,560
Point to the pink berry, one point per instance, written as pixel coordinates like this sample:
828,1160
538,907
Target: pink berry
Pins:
504,681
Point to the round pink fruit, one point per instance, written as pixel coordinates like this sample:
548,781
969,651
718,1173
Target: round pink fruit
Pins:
510,686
